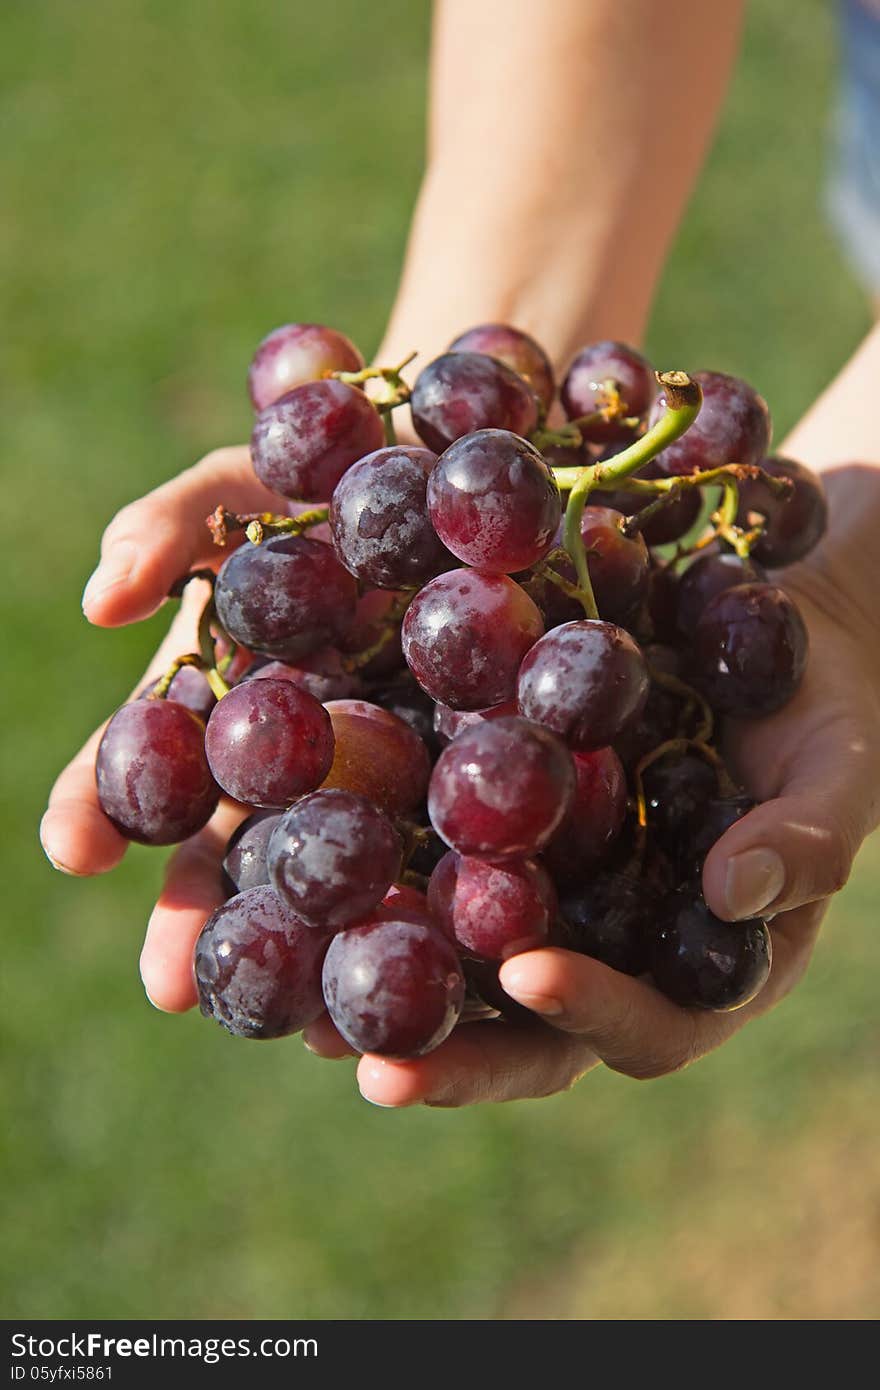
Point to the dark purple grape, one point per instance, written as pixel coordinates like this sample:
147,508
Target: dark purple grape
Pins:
494,909
405,699
378,755
611,918
393,988
321,673
700,962
493,502
296,353
483,983
795,523
661,603
379,519
244,863
619,571
428,852
258,967
448,723
188,687
670,523
712,820
662,713
750,650
302,444
676,790
594,819
332,857
707,576
586,680
268,742
285,597
733,426
465,634
606,361
465,391
152,774
501,788
516,350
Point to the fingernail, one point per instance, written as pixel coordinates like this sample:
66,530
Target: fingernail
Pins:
115,569
376,1072
538,1003
755,879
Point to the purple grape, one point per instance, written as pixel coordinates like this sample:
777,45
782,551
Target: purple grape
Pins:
296,353
676,791
795,523
750,650
268,742
501,789
713,819
303,443
586,680
610,918
600,362
733,426
379,519
393,988
258,967
662,713
188,687
465,391
700,962
493,501
595,818
286,597
465,634
244,862
707,576
516,350
618,566
332,858
671,523
152,774
493,909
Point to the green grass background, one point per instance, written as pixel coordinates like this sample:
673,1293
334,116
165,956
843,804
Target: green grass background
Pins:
176,179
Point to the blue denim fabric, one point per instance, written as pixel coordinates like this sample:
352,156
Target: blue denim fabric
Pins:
854,187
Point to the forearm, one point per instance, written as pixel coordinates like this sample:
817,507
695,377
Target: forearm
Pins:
564,140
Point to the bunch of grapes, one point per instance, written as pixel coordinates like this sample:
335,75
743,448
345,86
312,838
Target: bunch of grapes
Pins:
467,689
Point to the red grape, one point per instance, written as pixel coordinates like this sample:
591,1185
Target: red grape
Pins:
494,909
595,818
378,755
586,680
302,444
707,576
332,858
516,350
733,426
795,523
152,774
285,597
296,353
465,391
600,362
448,723
244,862
404,904
750,650
501,788
393,987
493,501
700,962
321,673
268,742
188,687
258,967
465,634
379,519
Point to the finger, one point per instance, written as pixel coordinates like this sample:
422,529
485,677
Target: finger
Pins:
153,541
479,1062
193,889
323,1038
76,836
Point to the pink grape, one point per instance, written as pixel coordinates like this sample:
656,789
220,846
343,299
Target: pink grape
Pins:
296,353
268,742
494,909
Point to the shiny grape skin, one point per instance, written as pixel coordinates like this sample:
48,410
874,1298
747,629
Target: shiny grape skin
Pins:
378,755
516,350
321,673
332,857
286,597
796,523
671,523
258,967
733,426
394,988
379,519
268,742
296,353
465,634
750,650
707,576
595,818
493,501
501,789
585,680
676,791
244,863
712,821
494,909
610,917
700,962
596,363
188,687
152,774
465,391
302,444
